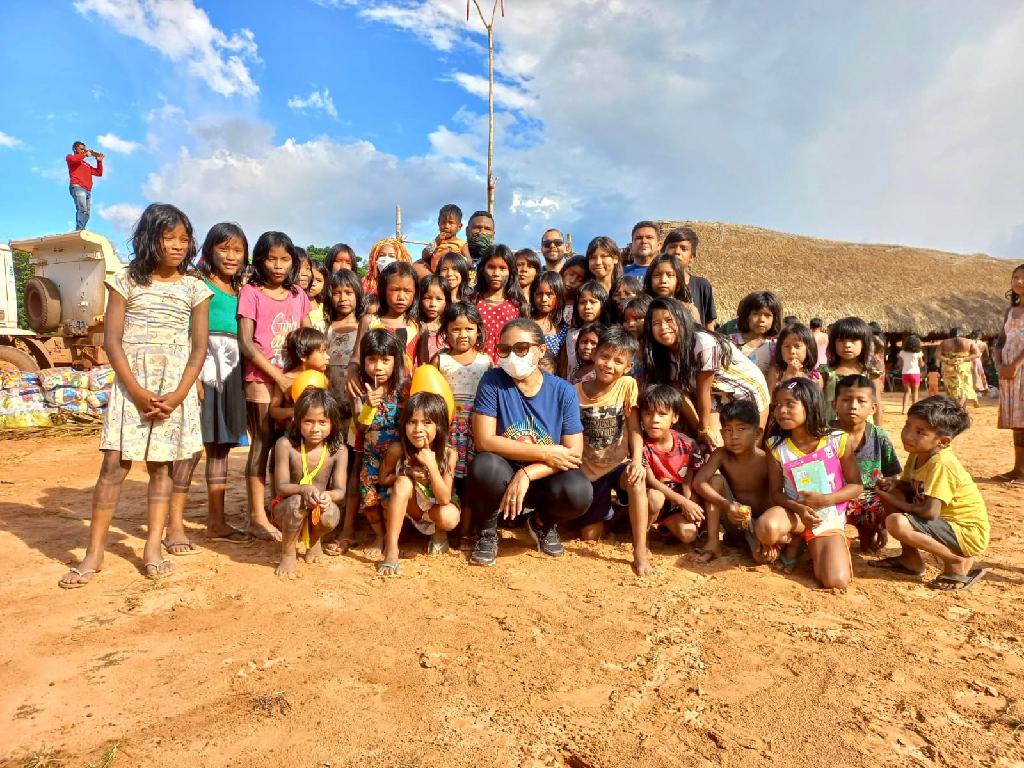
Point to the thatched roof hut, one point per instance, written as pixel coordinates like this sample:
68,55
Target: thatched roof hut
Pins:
906,290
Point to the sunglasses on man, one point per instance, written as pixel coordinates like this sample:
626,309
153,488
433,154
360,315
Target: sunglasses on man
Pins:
521,348
550,243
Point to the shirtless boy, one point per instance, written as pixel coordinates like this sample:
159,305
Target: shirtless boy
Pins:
734,481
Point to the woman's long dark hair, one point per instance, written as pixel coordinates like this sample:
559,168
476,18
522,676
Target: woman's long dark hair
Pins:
260,253
512,290
1013,297
682,289
147,241
458,261
680,364
552,280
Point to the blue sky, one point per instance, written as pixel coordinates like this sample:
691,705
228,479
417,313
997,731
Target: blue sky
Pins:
868,121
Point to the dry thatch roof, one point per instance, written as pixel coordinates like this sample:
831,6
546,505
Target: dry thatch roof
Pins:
906,290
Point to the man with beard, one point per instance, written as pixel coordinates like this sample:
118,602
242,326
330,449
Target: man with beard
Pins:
554,249
479,234
643,249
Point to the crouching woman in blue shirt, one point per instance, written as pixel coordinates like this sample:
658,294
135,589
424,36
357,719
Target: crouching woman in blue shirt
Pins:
529,443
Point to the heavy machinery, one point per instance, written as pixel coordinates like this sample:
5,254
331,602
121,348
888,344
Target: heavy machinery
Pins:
64,302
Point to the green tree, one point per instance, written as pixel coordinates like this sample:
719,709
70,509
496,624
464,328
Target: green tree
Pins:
316,252
23,272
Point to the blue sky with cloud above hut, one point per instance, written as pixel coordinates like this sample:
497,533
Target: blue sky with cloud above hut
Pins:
868,121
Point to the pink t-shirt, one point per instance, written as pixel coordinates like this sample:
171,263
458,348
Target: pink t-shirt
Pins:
273,320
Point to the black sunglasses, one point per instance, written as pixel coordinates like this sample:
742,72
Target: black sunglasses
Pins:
549,243
521,348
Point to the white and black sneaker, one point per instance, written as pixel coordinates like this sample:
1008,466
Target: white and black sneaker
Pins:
486,550
547,539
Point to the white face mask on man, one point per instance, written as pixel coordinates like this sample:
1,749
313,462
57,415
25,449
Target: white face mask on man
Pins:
517,367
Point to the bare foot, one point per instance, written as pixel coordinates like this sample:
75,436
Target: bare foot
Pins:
338,547
288,567
263,530
766,553
315,554
707,553
642,568
375,548
1013,476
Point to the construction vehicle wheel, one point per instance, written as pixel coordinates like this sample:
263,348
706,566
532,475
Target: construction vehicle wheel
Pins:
12,359
42,305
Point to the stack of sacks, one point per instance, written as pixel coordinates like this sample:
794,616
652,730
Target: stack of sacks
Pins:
71,391
22,403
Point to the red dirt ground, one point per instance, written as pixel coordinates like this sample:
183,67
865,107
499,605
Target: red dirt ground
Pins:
534,662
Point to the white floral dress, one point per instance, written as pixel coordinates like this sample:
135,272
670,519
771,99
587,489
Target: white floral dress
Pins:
157,343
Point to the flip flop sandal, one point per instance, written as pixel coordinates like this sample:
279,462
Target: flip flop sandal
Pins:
953,582
437,548
262,535
387,569
76,584
235,537
894,564
152,570
190,548
704,553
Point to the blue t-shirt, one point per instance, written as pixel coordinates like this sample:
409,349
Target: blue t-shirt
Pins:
635,270
542,419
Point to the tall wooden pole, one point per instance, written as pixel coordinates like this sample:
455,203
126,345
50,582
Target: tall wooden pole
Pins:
490,115
489,26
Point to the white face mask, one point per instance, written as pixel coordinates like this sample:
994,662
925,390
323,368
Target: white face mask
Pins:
518,368
384,262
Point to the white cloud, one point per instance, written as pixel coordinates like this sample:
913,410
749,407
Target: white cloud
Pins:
317,100
183,33
319,191
6,140
121,215
504,95
755,114
937,167
51,174
438,22
113,143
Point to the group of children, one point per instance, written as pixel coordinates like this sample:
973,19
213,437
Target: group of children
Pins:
749,439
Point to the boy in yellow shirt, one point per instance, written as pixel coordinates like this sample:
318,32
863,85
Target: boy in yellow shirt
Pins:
946,514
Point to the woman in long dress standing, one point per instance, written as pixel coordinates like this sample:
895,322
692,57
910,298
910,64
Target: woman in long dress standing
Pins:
1008,352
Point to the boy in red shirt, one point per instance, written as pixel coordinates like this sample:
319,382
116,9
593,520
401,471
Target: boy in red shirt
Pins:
81,173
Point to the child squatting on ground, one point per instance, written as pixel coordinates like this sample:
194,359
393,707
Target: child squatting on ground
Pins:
310,467
935,507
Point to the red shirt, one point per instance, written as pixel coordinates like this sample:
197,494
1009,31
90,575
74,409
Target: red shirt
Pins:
81,172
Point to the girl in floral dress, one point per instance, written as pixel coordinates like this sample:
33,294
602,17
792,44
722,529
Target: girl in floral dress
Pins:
155,336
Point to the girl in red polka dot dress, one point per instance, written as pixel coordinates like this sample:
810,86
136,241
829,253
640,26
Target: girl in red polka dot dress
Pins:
500,298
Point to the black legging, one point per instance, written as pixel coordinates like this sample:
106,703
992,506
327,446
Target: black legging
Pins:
561,497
